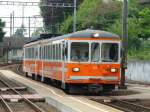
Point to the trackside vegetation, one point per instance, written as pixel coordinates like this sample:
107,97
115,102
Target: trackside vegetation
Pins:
2,33
106,15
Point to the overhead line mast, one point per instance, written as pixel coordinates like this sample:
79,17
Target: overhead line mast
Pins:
36,4
56,5
124,43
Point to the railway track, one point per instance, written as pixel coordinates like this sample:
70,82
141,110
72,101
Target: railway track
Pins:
8,107
125,105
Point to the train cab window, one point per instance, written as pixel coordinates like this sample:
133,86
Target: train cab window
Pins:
65,51
95,52
79,51
109,52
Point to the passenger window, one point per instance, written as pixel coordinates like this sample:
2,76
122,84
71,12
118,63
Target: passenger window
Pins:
40,53
59,51
53,52
44,52
48,52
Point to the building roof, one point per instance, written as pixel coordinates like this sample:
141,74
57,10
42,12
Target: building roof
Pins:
14,42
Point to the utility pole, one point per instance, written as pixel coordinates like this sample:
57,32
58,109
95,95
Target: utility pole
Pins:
13,25
124,43
23,15
75,16
53,5
9,40
29,28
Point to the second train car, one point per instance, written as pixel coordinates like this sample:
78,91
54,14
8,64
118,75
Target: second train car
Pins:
89,58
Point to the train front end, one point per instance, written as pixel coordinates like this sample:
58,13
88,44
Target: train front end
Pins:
94,62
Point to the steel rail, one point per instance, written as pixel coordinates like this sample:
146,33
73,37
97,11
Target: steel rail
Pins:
134,107
34,106
123,105
5,104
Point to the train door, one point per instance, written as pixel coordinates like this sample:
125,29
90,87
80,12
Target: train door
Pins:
64,60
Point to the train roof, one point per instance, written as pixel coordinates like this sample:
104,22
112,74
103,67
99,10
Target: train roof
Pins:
42,37
79,34
89,33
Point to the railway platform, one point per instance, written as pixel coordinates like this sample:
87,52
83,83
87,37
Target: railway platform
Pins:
142,92
58,99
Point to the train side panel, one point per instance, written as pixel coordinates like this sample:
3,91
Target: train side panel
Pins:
88,74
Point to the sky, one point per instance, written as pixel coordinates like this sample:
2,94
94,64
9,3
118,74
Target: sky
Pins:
31,11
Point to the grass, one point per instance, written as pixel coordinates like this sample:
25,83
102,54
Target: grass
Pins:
142,54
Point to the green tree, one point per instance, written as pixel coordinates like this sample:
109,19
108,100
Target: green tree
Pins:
53,16
144,21
94,13
38,31
102,15
134,42
2,33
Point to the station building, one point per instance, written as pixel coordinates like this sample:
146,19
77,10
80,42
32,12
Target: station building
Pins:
11,49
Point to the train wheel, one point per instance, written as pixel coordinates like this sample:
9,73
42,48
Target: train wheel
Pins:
27,74
108,88
33,76
65,87
70,89
38,78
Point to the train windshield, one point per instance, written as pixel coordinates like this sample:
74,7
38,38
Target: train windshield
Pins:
80,51
109,52
95,52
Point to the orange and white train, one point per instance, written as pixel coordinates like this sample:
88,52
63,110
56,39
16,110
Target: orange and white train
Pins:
89,58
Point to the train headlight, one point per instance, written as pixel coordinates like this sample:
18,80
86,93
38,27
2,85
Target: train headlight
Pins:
113,70
96,35
76,69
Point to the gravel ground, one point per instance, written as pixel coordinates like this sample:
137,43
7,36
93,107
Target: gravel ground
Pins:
46,107
22,106
2,107
145,103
